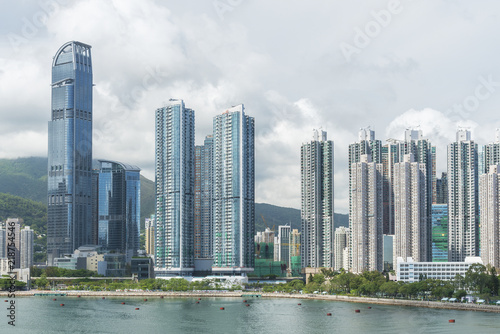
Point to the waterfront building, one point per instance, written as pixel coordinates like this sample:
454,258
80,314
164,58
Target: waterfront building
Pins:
341,242
282,244
366,216
118,201
233,211
69,215
203,224
150,234
388,252
463,198
410,271
26,247
3,242
317,202
489,196
142,267
410,210
174,174
439,232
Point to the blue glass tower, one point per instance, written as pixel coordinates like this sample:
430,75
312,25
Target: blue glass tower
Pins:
439,232
119,213
70,151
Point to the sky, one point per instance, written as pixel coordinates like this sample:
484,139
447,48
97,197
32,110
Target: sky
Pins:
296,66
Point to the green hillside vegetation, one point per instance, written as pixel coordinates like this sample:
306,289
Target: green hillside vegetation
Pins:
24,177
33,213
147,199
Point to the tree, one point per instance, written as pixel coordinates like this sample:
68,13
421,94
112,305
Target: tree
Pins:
389,288
476,278
42,282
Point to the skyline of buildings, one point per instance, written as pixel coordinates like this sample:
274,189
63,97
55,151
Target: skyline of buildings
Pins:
489,189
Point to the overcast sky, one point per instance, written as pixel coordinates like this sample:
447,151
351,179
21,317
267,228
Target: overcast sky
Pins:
295,65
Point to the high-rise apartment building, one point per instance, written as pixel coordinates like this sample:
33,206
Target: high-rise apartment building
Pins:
69,195
463,198
317,202
410,210
3,242
26,249
442,189
341,243
366,223
13,227
282,244
439,232
233,210
203,225
489,195
174,174
489,155
118,207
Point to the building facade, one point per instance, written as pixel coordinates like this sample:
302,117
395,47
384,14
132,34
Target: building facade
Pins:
317,202
366,223
463,198
70,151
341,243
489,195
282,244
119,211
410,210
440,233
410,271
13,227
203,224
150,234
174,158
233,193
26,250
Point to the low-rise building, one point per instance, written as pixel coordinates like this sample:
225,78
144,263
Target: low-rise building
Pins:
410,271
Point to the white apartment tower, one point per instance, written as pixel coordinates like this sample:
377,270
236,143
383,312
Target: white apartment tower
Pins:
233,210
174,189
463,199
26,251
489,196
410,215
366,216
341,243
317,202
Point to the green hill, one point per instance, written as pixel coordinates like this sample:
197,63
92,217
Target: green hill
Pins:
24,177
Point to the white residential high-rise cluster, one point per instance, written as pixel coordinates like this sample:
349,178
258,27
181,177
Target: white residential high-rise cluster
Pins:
489,194
205,194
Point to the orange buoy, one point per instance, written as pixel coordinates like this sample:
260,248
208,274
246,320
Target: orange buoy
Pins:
222,308
78,296
54,299
299,304
248,304
199,298
451,320
357,311
103,298
369,307
123,303
62,304
197,302
145,299
136,308
161,297
245,301
328,314
6,301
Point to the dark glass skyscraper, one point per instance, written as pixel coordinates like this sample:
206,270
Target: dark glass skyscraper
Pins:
70,151
118,207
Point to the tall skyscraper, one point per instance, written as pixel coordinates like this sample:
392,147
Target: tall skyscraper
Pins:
175,188
69,212
439,232
119,189
489,195
203,186
410,210
463,199
390,156
233,209
26,250
341,243
489,155
366,223
317,202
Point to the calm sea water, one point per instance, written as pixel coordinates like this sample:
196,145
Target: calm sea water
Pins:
95,315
